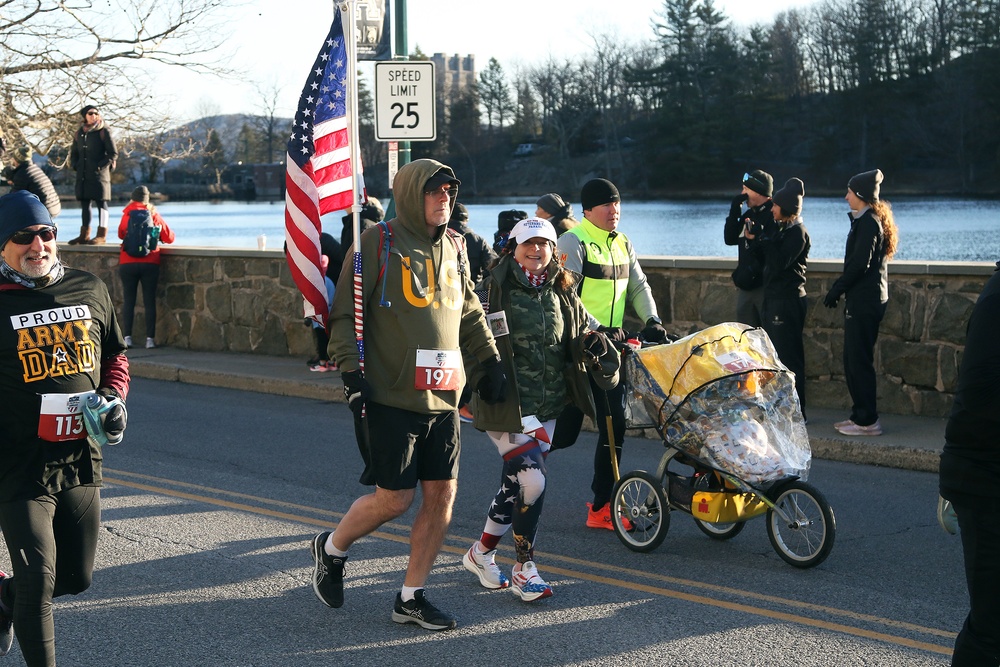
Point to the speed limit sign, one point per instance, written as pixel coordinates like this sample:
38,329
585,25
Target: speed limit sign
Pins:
405,101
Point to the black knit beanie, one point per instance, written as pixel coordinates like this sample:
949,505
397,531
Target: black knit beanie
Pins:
460,214
866,185
507,219
760,182
789,197
84,110
597,192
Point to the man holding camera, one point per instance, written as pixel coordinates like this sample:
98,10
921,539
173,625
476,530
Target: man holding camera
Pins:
745,227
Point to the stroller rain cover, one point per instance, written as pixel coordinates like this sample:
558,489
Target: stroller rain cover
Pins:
721,396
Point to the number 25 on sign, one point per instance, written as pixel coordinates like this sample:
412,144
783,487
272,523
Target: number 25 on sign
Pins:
405,101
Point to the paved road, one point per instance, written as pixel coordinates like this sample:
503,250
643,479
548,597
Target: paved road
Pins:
210,503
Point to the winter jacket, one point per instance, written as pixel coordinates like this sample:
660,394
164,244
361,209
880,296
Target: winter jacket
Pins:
564,224
749,271
970,462
93,158
481,255
166,235
786,251
865,280
416,295
541,353
29,176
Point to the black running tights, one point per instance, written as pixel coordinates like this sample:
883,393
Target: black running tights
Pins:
36,530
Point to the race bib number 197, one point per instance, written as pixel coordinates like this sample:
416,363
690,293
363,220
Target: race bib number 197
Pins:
438,370
61,417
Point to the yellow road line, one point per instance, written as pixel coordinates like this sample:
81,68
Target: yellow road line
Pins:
573,574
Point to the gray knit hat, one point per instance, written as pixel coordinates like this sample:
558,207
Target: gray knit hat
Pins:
141,194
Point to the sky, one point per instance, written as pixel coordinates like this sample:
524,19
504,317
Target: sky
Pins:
276,47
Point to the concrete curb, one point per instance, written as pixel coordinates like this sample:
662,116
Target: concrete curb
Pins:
283,377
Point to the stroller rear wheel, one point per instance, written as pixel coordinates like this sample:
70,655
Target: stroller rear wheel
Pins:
804,536
639,500
717,531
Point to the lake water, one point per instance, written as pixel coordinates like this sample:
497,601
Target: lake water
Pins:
929,229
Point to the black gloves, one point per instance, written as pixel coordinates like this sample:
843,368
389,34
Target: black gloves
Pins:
357,391
617,335
654,332
116,418
594,345
492,387
736,208
831,299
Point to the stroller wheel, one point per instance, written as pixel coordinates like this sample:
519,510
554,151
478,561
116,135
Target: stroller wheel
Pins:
639,500
802,527
717,531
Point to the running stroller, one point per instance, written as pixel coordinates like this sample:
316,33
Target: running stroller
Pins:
736,445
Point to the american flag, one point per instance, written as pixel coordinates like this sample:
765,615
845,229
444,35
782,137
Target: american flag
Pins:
318,177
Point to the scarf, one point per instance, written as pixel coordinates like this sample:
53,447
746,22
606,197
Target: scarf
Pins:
54,275
533,280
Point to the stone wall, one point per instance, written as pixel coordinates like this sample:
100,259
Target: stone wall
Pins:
245,301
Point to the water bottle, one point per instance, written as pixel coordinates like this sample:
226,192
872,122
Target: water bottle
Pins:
94,410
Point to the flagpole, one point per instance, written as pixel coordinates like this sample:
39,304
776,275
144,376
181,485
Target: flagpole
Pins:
347,8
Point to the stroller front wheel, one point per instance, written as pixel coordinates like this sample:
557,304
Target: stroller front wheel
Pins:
802,528
639,511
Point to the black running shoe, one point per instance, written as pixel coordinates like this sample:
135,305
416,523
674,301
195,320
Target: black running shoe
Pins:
423,613
328,575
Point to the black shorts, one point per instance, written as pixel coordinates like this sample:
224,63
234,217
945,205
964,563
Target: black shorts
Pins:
409,446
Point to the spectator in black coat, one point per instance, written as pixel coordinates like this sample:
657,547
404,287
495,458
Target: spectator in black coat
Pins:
786,250
93,157
480,253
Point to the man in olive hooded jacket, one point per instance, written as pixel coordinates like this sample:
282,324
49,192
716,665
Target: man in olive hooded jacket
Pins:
420,315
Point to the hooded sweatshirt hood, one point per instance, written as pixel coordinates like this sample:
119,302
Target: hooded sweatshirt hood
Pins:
408,190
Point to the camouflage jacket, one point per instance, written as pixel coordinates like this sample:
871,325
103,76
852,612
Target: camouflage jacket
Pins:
541,353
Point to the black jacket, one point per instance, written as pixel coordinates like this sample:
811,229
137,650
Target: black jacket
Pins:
971,460
749,272
480,253
865,280
786,251
93,158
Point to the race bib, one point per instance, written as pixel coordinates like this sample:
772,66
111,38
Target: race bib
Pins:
438,370
61,418
498,323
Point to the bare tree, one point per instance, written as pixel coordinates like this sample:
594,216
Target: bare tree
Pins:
56,55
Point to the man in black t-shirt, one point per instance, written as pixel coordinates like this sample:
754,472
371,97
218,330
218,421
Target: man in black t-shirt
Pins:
59,345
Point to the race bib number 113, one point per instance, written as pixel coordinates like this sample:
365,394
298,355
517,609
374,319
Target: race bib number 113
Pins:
61,417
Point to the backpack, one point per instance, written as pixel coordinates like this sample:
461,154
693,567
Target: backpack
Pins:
140,238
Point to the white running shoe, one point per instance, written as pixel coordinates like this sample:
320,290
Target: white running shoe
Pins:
128,342
150,343
527,584
484,566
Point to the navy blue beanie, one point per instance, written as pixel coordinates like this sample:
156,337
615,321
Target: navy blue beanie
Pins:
19,210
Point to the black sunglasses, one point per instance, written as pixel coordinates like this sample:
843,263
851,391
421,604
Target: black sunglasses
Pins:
27,236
